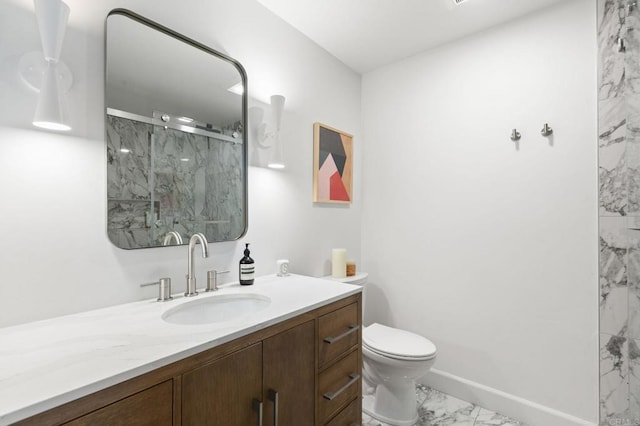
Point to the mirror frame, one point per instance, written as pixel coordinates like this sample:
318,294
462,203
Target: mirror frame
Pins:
245,116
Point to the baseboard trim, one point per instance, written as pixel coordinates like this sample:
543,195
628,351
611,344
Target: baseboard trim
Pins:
529,412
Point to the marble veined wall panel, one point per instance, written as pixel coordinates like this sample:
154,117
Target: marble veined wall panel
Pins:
194,183
225,180
619,197
614,379
632,47
613,275
611,27
127,170
612,132
633,273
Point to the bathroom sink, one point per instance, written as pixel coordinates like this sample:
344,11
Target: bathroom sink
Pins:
213,309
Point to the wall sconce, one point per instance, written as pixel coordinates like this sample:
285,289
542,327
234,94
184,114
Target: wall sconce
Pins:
264,137
45,73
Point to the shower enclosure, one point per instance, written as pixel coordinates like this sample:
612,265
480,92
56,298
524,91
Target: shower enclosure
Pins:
619,210
164,179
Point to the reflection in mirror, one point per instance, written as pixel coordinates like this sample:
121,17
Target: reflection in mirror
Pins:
176,145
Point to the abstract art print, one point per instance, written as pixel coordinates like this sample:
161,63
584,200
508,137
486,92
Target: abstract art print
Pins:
332,165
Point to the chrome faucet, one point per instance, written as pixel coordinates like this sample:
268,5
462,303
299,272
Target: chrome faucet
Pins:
191,278
172,235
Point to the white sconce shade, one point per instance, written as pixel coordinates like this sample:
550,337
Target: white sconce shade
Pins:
276,156
49,113
50,77
52,18
259,135
277,106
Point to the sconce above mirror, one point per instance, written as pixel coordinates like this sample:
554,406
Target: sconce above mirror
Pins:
175,137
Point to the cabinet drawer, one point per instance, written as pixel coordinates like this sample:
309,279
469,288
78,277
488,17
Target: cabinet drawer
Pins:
350,416
152,407
338,332
338,385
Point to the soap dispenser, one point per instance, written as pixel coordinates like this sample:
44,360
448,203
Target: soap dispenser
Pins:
247,268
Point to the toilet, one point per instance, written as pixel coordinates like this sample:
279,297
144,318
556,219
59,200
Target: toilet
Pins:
393,360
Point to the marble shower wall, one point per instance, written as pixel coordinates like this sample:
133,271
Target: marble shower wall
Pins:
171,181
619,163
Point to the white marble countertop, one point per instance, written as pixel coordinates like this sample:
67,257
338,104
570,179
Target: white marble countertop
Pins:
47,363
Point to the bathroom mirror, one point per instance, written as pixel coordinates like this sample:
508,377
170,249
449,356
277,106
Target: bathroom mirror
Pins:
176,143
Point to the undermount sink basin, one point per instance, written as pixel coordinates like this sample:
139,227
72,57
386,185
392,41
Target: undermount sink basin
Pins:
226,307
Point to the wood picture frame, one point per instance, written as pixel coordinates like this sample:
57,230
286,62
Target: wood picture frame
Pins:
332,165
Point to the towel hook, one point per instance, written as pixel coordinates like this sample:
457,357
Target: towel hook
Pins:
515,135
546,130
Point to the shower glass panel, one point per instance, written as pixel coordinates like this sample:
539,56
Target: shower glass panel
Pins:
171,180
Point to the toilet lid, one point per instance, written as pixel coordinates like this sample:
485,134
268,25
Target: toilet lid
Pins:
396,343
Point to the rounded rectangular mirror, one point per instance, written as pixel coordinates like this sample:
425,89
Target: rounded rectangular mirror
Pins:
176,143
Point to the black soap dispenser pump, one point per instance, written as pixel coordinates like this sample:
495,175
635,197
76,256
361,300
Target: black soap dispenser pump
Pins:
247,268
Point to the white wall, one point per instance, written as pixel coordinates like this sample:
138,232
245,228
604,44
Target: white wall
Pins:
55,257
489,250
488,247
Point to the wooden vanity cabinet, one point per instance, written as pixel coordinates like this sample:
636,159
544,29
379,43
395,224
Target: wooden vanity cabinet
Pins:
151,407
278,373
289,372
288,369
339,399
222,391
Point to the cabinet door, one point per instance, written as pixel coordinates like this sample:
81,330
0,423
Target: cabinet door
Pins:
221,393
152,407
289,370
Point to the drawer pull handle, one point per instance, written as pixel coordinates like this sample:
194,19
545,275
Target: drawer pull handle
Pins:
273,396
352,328
332,395
257,406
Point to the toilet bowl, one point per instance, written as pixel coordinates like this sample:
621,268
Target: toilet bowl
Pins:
393,360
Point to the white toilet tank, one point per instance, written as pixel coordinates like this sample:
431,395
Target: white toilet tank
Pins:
357,279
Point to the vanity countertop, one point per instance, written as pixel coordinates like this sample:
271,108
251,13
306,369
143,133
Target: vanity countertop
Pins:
47,363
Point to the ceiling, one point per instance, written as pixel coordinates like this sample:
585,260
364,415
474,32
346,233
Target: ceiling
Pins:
368,34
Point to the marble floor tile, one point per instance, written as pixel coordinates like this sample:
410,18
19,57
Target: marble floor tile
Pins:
486,417
439,409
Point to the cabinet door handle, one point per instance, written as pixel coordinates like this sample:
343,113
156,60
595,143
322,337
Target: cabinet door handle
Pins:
352,329
332,395
273,396
257,406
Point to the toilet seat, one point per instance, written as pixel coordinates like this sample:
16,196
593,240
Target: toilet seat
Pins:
397,344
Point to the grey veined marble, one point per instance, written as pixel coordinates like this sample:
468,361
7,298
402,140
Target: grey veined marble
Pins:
161,179
611,27
439,409
613,191
619,201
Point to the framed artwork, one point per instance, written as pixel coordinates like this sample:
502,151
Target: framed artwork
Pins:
332,165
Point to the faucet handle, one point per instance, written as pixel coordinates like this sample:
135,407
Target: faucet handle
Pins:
164,289
212,279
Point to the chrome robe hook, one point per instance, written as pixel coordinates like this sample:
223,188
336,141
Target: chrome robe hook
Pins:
515,135
546,130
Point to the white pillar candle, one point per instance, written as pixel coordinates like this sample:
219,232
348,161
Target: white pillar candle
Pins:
339,263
